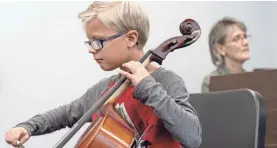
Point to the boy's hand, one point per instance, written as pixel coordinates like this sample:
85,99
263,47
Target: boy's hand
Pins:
138,72
17,134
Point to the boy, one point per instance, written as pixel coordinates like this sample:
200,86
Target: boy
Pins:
117,33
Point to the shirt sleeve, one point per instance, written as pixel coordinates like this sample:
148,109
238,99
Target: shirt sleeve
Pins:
65,115
168,96
205,84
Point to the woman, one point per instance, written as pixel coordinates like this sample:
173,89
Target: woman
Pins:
228,43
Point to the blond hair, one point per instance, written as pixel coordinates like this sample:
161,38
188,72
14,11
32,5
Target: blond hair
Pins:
218,35
121,16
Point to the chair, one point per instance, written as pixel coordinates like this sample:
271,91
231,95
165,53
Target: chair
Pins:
231,119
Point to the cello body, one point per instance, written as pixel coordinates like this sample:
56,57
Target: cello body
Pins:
109,130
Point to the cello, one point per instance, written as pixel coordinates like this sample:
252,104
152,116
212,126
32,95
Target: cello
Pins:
110,129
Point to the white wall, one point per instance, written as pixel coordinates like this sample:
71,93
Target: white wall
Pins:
273,36
194,62
43,62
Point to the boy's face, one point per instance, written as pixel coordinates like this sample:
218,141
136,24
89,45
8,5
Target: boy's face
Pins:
114,52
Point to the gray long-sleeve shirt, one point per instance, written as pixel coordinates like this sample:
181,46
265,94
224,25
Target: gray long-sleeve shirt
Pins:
163,90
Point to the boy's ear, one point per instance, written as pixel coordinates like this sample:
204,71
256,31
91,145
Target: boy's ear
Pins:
131,38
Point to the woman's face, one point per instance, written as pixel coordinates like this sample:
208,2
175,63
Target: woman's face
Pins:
235,47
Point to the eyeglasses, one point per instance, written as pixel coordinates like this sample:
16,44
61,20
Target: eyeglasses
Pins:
240,37
97,44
